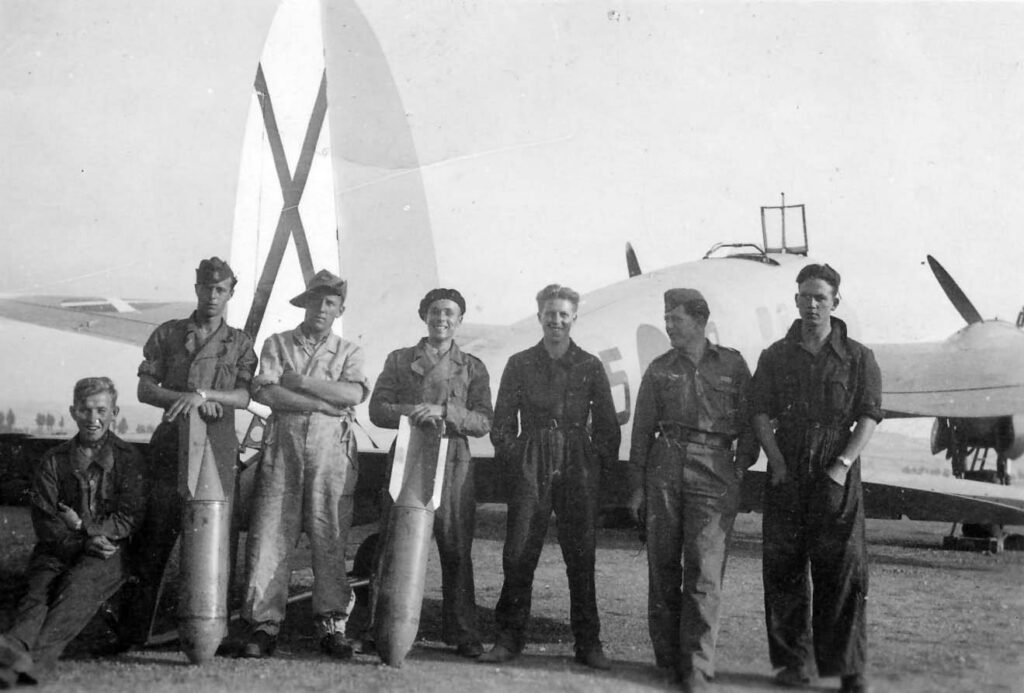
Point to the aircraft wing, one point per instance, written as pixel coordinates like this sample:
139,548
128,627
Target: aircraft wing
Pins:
119,320
935,499
978,372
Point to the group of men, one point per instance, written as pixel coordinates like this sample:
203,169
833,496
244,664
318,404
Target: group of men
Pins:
101,514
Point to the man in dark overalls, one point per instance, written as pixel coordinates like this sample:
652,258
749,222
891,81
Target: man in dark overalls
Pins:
554,424
686,475
816,384
197,362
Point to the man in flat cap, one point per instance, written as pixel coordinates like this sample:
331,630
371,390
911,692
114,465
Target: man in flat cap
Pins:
201,363
438,385
691,444
810,389
306,479
554,426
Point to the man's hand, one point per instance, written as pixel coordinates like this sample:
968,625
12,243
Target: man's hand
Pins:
837,472
637,506
100,547
292,381
423,414
330,410
211,411
184,405
777,471
69,517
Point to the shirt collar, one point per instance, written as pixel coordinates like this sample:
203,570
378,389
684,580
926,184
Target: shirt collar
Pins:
104,457
836,338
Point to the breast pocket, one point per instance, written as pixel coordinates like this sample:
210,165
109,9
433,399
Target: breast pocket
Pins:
838,392
723,400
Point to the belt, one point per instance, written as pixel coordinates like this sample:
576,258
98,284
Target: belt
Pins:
551,424
672,430
807,424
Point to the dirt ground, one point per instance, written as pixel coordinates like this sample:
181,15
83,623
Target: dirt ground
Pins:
938,621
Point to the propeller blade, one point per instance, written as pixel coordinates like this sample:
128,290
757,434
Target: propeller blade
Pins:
632,264
956,296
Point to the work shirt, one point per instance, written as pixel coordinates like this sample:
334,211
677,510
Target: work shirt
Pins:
831,389
109,494
419,374
331,358
707,397
538,392
177,358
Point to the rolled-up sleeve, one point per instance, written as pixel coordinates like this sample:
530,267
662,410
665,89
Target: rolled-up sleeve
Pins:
869,403
154,362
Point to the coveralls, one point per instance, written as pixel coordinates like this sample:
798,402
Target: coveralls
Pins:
65,585
687,418
809,519
175,357
460,382
305,482
554,425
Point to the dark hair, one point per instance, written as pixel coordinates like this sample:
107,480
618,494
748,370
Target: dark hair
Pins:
86,387
557,292
441,295
823,272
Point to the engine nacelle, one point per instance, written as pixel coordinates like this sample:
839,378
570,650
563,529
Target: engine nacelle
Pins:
1004,434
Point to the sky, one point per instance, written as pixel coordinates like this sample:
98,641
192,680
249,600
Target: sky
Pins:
547,134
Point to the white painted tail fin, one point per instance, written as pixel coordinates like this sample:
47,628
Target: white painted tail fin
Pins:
330,180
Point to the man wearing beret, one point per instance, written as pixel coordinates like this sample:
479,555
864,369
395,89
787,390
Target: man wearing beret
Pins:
306,479
554,426
201,363
691,444
810,389
438,385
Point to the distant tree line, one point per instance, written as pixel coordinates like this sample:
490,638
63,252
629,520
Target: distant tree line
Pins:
48,423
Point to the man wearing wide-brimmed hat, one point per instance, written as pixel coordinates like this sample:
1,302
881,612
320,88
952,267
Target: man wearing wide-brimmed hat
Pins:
311,379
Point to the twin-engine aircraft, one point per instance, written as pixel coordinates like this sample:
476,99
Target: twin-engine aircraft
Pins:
347,165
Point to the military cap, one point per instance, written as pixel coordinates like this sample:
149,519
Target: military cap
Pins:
441,295
680,297
823,272
213,271
323,283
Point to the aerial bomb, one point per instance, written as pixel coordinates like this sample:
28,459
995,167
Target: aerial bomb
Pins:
417,477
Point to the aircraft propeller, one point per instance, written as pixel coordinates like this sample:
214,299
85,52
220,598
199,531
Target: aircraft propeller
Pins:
955,294
632,264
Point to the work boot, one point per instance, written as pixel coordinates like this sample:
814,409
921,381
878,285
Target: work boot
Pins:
594,658
14,656
854,683
470,650
792,677
336,645
498,654
695,682
260,645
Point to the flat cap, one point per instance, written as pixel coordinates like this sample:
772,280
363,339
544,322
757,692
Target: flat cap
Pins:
441,295
323,283
679,297
213,271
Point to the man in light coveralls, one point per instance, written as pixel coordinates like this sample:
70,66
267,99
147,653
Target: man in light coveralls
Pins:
311,379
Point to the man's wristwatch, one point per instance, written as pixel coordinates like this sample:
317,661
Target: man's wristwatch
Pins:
845,461
201,393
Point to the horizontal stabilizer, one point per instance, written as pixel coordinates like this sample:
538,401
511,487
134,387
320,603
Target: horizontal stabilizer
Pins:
119,320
